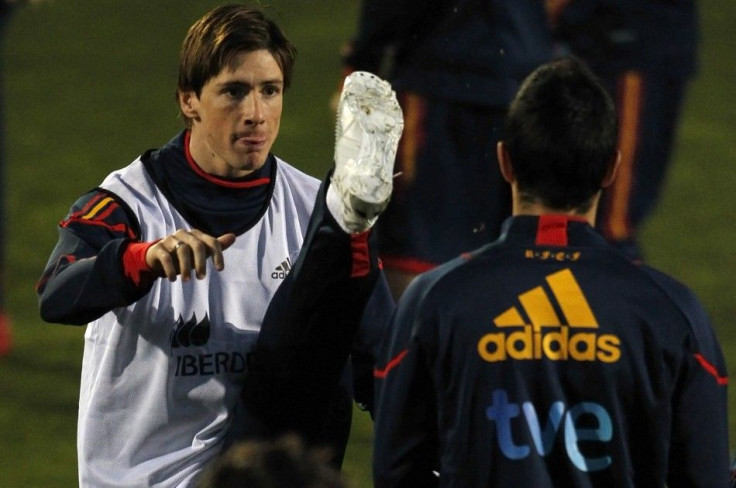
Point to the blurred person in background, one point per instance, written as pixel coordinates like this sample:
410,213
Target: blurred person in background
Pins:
645,52
6,336
455,65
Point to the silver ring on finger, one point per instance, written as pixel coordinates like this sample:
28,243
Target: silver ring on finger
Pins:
177,246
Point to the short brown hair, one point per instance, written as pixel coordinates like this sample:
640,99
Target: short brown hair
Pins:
215,40
277,463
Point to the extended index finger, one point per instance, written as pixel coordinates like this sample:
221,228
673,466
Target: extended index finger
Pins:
214,246
223,242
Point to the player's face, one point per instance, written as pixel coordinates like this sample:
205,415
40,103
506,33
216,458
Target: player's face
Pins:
236,118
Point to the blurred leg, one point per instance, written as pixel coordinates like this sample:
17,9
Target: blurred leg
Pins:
649,108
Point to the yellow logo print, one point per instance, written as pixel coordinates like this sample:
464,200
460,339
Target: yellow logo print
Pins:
544,335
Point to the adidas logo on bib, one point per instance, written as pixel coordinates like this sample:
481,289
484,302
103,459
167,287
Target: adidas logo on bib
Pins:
282,270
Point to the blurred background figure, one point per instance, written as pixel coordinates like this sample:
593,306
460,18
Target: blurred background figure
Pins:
6,339
281,463
455,66
645,52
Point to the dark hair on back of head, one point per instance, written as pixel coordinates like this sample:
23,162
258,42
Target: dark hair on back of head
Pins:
285,462
561,135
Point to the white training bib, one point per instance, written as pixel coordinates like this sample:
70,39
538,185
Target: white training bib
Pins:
160,377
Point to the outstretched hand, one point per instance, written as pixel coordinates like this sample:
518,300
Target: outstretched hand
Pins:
185,251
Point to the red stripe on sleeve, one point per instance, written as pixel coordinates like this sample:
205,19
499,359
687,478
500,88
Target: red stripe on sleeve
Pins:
121,228
361,256
104,214
87,206
722,380
407,265
382,373
62,261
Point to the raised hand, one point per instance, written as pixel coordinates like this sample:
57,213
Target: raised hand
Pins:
185,251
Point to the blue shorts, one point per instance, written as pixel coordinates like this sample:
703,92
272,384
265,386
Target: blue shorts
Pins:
450,197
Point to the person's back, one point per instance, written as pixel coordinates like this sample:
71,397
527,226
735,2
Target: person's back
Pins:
547,358
559,367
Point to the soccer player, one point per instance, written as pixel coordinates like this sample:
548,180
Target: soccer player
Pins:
547,358
211,248
455,66
645,53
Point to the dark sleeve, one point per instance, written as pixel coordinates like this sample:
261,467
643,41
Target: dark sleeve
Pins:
85,276
699,454
406,441
365,349
387,28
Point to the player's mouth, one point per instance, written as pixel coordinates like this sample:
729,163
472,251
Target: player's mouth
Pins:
251,142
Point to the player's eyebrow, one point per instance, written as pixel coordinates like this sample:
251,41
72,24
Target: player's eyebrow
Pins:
275,81
234,84
245,84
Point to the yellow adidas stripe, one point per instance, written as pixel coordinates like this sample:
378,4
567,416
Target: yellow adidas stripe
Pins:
540,310
571,299
510,318
538,307
97,208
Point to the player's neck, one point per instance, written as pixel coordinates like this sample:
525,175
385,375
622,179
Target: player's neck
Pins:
520,207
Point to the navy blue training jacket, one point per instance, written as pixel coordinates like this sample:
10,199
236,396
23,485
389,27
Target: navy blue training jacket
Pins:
548,359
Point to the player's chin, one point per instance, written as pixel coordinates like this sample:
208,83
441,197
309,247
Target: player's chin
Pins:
252,161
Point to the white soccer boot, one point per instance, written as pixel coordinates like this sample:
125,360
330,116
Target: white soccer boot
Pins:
367,133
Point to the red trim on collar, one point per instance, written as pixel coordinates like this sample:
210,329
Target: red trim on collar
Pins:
552,229
214,179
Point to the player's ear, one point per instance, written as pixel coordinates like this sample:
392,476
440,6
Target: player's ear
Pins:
504,162
189,104
612,170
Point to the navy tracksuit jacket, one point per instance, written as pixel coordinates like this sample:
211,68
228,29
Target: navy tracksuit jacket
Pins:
548,359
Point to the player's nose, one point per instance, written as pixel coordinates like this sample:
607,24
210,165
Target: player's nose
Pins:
253,110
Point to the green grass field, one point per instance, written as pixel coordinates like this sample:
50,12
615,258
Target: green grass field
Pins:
89,86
